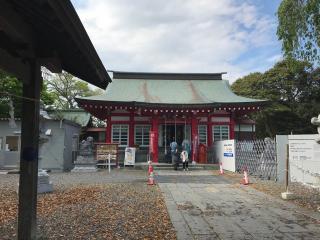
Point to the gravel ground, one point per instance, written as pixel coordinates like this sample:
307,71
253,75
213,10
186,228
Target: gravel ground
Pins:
307,197
99,205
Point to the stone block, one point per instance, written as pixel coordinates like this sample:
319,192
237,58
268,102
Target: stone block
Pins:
288,195
44,184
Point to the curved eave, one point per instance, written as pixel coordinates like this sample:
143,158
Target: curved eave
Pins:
83,102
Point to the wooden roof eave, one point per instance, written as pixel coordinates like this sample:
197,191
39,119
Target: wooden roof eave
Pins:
52,33
84,102
67,14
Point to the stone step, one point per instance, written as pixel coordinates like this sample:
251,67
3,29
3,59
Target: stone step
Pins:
167,166
180,167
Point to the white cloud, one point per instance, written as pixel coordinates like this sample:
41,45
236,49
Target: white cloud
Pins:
275,58
176,35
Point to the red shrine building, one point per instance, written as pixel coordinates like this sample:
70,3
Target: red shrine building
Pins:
147,110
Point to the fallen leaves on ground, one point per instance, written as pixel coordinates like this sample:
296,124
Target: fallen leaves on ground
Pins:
8,205
109,211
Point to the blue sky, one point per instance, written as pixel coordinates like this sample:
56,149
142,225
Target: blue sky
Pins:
234,36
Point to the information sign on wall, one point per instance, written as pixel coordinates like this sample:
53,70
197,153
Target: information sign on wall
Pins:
304,159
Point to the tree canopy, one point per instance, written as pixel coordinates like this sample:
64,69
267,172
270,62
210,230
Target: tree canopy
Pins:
293,87
65,88
299,29
10,90
58,92
11,95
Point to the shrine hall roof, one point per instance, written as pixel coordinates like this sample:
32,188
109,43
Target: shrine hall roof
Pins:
169,88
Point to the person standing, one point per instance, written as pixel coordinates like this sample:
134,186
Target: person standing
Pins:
174,152
186,146
185,160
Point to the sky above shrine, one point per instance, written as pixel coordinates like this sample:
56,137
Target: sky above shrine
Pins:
233,36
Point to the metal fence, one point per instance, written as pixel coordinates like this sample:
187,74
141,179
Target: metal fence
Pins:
258,157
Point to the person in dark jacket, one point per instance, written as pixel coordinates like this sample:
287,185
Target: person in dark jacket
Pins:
174,153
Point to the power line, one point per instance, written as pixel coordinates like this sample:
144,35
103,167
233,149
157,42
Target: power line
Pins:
21,97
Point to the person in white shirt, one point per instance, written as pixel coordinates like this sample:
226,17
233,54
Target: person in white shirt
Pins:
184,158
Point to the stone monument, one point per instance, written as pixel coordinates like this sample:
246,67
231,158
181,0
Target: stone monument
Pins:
85,160
316,121
44,184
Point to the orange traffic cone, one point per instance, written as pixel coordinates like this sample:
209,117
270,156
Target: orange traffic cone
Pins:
150,169
221,169
151,179
150,174
245,180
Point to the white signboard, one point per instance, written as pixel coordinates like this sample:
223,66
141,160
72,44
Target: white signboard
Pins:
130,156
225,153
304,159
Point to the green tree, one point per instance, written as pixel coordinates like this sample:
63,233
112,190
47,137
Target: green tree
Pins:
65,88
293,90
11,95
299,29
10,92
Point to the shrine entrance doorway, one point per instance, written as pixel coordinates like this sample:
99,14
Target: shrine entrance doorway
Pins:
179,131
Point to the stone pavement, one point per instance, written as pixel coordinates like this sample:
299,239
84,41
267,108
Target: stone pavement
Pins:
206,206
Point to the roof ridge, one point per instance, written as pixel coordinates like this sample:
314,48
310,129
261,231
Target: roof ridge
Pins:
167,76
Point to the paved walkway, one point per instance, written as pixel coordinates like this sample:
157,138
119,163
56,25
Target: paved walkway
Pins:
204,206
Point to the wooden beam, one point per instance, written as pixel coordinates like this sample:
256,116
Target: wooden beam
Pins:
13,25
15,66
28,181
52,63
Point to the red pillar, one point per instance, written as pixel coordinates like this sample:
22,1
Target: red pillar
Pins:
108,130
131,129
194,138
209,131
231,127
155,128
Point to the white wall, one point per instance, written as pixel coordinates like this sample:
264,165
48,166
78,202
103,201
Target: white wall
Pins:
304,159
225,152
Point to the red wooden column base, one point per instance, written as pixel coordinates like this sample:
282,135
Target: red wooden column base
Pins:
231,128
108,130
131,129
209,131
194,138
155,150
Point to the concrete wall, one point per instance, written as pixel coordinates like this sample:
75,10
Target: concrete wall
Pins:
55,151
70,130
51,151
9,159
